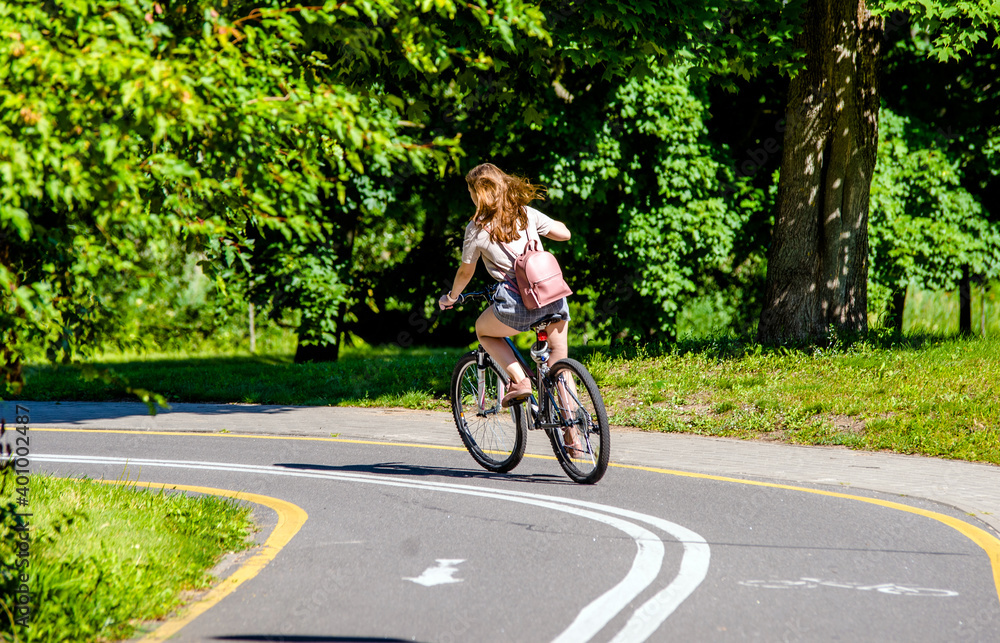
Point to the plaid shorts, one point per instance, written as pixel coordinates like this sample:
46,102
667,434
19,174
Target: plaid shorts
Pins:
510,310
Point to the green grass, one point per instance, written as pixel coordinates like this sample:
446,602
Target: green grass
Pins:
911,394
933,397
414,378
937,312
104,557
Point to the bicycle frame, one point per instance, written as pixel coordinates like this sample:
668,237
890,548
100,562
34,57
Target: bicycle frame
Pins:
555,406
541,405
482,356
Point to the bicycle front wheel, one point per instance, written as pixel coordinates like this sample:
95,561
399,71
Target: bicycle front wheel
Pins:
494,436
582,441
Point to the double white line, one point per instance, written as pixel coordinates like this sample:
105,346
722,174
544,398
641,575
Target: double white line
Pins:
594,617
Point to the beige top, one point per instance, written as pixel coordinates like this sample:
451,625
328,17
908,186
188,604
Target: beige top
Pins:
497,262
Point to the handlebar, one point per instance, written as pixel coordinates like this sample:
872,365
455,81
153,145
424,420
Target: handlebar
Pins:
479,294
488,294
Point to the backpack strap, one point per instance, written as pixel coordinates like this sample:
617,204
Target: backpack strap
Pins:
507,249
512,277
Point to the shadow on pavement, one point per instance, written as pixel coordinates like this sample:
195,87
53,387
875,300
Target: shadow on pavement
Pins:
403,469
79,412
310,639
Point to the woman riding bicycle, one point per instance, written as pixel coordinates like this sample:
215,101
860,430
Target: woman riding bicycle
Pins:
498,232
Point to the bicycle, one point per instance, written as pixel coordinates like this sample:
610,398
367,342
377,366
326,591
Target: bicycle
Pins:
568,406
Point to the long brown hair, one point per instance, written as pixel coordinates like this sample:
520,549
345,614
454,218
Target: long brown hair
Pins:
500,201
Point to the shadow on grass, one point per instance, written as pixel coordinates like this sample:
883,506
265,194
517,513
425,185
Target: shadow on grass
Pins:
407,379
415,378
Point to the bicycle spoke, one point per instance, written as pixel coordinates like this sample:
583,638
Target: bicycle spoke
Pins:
579,433
492,435
574,414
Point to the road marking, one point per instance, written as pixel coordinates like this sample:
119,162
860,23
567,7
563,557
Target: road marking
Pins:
440,574
268,437
290,519
984,540
693,569
883,588
592,618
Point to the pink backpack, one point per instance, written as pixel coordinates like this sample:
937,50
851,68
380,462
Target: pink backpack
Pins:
539,277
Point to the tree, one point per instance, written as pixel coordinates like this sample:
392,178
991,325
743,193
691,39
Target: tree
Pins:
953,106
817,264
572,115
133,122
818,261
926,229
645,192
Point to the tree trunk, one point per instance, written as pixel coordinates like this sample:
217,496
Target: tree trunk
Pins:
317,352
253,329
10,357
817,271
982,310
965,303
895,313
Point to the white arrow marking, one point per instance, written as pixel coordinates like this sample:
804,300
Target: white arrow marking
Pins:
593,617
439,575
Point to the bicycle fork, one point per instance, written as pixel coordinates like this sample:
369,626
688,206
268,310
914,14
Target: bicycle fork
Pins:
482,359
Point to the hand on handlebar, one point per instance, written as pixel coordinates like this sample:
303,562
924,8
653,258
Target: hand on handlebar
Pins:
446,302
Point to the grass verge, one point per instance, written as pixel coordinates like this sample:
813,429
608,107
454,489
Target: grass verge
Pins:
104,557
932,397
912,394
415,378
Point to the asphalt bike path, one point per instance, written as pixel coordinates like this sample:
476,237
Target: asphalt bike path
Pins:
408,542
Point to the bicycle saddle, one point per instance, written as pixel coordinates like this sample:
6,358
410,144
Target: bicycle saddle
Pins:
545,321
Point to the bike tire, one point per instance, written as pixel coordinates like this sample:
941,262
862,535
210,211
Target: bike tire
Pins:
585,410
494,436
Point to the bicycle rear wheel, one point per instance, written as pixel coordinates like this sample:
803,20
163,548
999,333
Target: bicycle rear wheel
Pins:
494,436
583,443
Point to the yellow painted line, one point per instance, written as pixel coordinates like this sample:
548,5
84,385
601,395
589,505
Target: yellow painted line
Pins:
989,543
259,437
290,520
282,437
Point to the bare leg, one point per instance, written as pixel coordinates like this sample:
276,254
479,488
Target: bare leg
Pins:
559,345
558,341
491,332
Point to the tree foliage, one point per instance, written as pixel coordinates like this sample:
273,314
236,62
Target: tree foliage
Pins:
126,122
299,151
650,188
955,27
925,227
